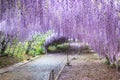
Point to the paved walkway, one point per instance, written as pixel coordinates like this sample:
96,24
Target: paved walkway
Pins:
38,69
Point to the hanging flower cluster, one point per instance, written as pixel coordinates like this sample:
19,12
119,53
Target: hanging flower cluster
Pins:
96,22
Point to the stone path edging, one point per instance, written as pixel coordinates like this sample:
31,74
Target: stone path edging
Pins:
58,75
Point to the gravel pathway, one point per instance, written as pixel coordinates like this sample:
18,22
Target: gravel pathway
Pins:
38,69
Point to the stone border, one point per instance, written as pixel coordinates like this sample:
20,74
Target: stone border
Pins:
58,75
11,68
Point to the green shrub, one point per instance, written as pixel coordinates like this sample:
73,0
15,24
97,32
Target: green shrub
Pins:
32,47
58,48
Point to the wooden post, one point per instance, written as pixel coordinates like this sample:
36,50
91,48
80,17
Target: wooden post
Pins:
52,74
68,62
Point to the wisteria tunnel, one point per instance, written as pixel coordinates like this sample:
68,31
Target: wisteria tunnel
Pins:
35,32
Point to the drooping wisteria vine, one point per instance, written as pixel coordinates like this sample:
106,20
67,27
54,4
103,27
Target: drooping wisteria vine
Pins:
96,22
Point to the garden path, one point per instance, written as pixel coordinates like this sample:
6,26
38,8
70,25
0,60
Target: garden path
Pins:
38,69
